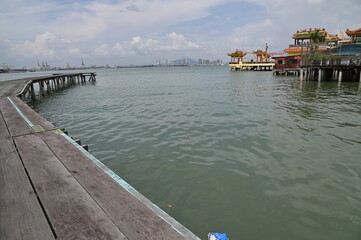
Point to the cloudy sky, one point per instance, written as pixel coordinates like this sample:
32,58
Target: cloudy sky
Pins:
122,32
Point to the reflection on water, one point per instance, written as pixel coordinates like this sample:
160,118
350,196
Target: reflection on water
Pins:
256,156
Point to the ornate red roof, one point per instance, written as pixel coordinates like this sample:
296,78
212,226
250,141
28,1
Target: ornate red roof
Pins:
237,54
262,54
306,33
354,33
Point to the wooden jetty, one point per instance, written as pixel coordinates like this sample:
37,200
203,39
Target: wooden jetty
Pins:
347,72
51,188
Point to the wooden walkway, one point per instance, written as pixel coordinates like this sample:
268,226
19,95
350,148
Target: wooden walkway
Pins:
51,188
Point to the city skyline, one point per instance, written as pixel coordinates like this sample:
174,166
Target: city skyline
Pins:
142,32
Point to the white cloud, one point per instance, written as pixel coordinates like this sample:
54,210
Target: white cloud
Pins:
178,42
124,18
91,20
45,46
40,47
135,46
138,46
102,50
45,38
76,52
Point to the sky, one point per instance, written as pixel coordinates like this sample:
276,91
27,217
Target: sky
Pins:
123,32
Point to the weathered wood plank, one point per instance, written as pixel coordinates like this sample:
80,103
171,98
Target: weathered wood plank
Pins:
15,123
132,216
4,133
12,87
34,117
21,216
71,210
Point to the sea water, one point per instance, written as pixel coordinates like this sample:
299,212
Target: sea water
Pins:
245,153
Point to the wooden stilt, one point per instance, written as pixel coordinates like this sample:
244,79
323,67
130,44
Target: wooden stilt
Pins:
340,76
32,92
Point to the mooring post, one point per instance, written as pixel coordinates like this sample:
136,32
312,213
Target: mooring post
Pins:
340,76
308,73
32,92
47,86
41,87
313,73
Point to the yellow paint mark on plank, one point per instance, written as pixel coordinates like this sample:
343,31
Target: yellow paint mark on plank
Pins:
37,128
57,131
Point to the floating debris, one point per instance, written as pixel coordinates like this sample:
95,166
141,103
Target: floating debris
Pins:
60,115
217,236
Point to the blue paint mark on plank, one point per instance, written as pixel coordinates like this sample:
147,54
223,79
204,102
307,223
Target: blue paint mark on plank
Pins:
20,113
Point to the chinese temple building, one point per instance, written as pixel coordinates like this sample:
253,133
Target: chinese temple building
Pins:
305,39
317,55
262,56
237,56
262,63
355,35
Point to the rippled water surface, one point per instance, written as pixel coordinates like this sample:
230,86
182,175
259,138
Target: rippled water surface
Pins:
246,153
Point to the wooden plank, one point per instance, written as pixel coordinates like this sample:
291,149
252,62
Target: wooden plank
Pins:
21,216
71,210
15,123
4,133
12,87
33,116
131,215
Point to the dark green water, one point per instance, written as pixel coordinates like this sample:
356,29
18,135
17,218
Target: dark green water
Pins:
249,154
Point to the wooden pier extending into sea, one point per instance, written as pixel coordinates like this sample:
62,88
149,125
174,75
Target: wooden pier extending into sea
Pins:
349,73
51,188
324,72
